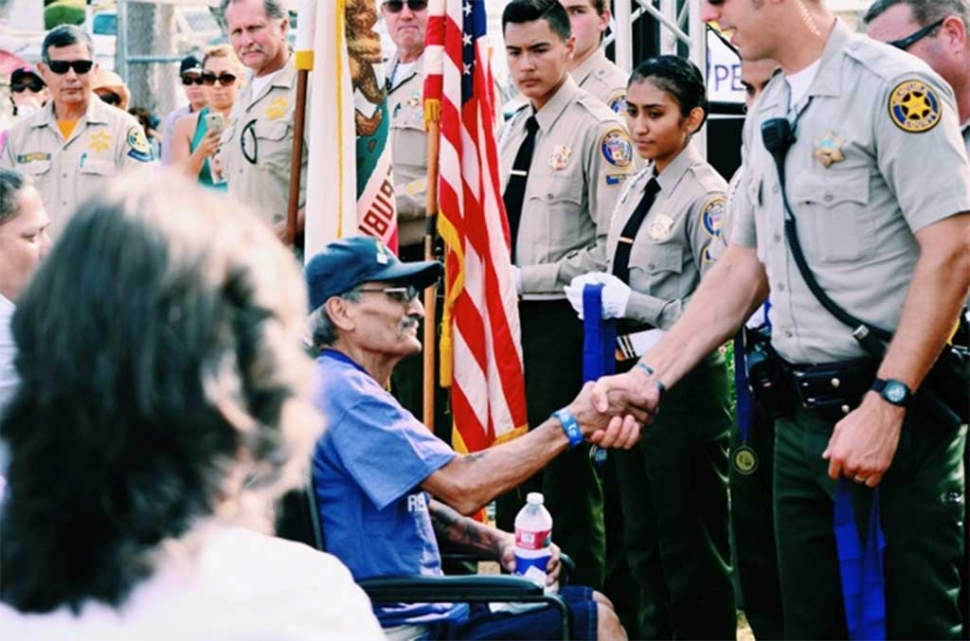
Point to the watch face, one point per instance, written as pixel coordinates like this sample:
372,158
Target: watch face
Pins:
894,392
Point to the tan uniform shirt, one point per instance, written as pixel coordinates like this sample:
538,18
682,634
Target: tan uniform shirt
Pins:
671,249
105,141
877,157
409,151
603,79
581,159
257,146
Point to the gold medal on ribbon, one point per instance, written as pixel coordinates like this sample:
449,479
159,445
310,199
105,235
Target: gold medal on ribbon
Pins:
745,460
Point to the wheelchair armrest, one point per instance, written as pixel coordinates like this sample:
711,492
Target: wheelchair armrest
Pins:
437,589
464,589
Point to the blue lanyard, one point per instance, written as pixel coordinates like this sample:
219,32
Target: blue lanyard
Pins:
863,583
599,346
599,336
741,388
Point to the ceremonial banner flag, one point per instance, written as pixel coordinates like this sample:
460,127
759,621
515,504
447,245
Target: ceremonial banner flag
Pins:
350,189
481,353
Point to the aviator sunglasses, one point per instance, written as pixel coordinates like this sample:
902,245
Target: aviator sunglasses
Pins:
191,79
225,79
60,67
395,6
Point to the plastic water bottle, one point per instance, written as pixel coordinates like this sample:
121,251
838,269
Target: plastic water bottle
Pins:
533,540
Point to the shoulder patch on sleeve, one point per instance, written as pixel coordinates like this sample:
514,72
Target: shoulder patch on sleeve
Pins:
616,148
617,102
138,147
914,106
712,216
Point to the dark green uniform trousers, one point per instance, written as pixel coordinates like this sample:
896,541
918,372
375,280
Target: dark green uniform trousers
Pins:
674,491
753,530
921,508
552,344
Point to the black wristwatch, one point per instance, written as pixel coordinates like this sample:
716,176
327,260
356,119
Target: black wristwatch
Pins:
892,391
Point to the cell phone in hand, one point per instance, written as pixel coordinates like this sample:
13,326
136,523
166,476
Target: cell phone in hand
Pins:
214,122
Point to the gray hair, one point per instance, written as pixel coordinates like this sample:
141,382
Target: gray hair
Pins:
274,9
12,182
65,35
924,11
322,330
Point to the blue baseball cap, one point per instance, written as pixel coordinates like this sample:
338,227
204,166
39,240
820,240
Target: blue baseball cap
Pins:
349,262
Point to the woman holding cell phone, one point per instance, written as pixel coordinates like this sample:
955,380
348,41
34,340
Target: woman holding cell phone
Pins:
195,141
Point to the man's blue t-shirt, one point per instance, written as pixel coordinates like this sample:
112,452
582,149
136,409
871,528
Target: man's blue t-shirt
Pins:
367,469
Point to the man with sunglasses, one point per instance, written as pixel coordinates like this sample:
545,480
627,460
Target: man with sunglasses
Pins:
938,32
257,144
376,465
190,72
75,145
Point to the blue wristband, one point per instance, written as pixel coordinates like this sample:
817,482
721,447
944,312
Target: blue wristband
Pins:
646,368
570,426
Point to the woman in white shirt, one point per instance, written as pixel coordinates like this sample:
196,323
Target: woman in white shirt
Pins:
161,411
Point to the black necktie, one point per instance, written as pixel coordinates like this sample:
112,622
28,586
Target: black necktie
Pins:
515,188
621,259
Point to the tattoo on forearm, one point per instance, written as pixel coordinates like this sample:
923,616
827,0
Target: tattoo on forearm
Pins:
458,529
475,456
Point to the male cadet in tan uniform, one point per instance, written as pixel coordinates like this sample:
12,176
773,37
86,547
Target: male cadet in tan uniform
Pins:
560,183
76,143
589,66
878,184
257,146
937,32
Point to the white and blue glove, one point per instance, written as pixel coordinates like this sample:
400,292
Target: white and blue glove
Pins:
615,293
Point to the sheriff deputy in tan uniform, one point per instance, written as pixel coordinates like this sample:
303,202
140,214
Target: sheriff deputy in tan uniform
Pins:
76,143
257,146
878,182
559,199
407,23
589,66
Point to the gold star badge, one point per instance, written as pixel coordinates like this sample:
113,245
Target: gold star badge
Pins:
100,141
277,107
828,149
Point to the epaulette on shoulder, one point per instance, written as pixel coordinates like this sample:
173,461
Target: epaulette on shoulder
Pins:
883,60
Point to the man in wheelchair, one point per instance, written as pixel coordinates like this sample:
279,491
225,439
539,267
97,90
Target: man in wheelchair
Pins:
377,466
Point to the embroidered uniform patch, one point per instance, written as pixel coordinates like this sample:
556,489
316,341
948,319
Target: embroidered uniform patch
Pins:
914,107
617,148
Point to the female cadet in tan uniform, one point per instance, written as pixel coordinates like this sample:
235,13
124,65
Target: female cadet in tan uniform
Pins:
673,485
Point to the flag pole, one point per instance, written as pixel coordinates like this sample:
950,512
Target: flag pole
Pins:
430,294
304,65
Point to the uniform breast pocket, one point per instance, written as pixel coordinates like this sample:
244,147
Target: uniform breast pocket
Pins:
39,170
656,269
569,224
273,146
833,220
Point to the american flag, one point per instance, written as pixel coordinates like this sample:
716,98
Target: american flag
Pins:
481,352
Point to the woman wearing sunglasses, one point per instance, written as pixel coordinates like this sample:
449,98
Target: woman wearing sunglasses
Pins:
28,93
195,141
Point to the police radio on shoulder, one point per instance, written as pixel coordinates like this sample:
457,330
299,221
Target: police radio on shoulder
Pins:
892,391
570,426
